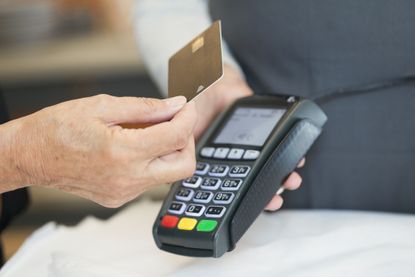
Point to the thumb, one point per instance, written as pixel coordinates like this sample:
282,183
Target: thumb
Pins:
132,110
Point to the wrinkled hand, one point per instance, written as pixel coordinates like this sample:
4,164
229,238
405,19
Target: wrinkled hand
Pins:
217,98
80,147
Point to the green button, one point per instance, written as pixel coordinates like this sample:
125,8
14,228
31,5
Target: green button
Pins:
206,225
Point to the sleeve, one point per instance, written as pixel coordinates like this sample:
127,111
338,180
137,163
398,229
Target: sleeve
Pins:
12,202
164,26
3,111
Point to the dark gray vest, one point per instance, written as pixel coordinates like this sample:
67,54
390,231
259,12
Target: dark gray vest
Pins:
366,157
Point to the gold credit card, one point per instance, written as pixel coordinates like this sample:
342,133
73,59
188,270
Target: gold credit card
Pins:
197,65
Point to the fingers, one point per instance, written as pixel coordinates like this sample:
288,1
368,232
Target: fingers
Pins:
275,203
166,137
174,166
293,181
115,110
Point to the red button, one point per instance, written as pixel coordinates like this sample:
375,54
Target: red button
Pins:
169,221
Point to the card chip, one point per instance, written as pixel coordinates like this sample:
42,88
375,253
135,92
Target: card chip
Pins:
198,44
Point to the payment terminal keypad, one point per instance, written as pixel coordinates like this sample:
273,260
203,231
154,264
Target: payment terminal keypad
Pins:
203,199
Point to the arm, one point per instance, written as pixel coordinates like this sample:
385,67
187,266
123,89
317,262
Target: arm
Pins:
80,147
11,176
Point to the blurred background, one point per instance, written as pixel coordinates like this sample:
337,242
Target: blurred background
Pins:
56,50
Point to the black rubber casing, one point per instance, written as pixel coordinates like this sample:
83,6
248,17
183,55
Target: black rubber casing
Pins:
288,143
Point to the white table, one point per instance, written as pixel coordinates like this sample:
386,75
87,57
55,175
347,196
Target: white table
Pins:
287,243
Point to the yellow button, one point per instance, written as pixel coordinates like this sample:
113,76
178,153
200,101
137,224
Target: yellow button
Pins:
187,223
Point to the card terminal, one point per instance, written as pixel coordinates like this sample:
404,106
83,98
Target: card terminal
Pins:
242,160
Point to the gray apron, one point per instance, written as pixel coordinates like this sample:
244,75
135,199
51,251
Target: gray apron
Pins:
365,158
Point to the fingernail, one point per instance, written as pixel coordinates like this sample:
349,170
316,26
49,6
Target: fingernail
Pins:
176,102
280,191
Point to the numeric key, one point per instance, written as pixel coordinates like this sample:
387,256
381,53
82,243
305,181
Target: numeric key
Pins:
203,196
184,194
176,208
211,183
218,170
239,171
215,211
223,197
201,168
195,210
192,182
231,184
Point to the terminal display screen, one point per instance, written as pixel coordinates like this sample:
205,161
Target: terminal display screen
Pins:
249,126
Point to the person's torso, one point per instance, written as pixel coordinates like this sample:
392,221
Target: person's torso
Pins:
318,46
365,157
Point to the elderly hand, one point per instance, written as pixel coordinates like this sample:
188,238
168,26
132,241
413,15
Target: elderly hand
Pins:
80,147
217,98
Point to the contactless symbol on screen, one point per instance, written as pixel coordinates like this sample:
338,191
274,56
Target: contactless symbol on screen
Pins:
244,136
